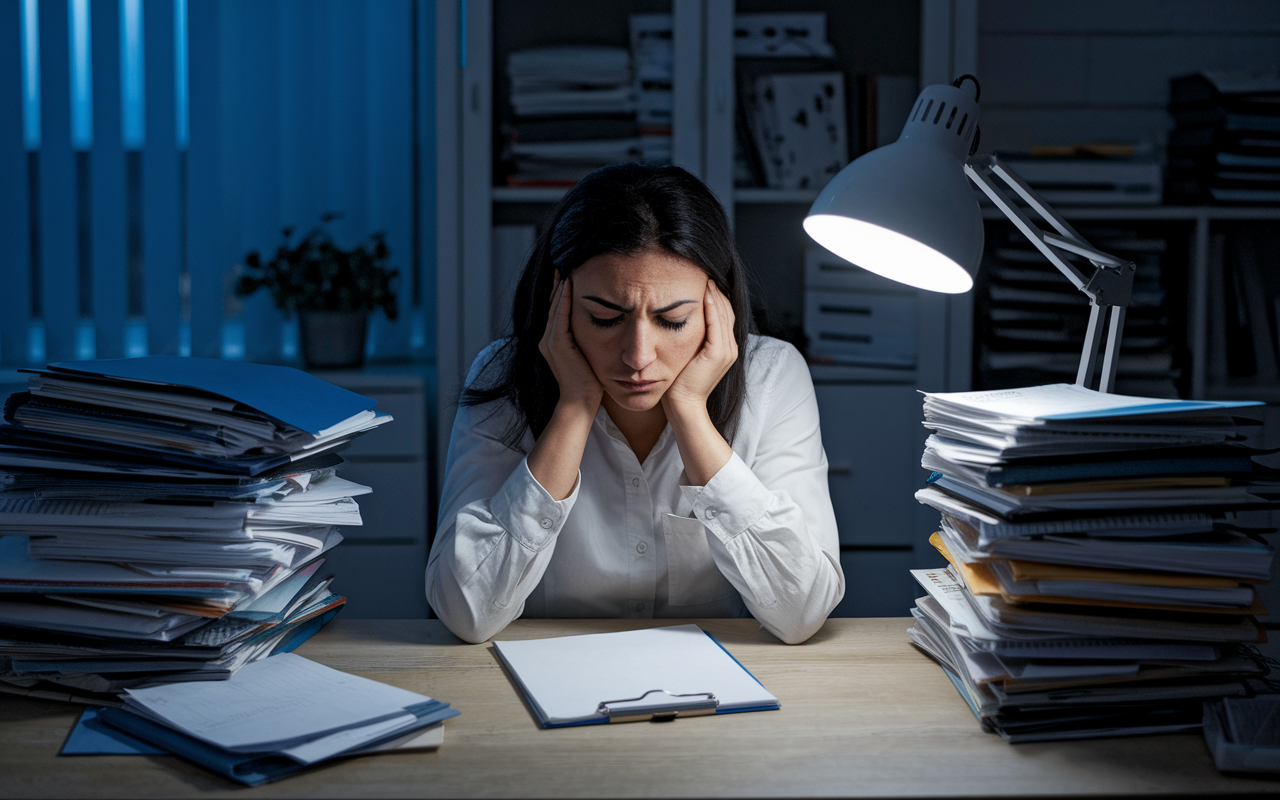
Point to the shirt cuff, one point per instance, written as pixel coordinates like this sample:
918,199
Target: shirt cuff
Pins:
528,512
732,501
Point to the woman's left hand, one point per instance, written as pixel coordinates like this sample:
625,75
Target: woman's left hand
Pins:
689,392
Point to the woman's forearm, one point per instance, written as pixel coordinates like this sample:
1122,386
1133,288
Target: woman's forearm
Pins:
557,455
702,449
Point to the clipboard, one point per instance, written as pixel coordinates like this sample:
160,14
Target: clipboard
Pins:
657,674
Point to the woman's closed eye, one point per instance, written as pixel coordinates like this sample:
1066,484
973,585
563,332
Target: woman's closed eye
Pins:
604,322
672,325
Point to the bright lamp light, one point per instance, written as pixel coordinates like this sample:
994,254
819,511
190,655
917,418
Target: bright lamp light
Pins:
907,211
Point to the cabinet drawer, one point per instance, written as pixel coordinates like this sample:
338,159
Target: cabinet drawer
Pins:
878,583
872,436
379,581
397,509
863,327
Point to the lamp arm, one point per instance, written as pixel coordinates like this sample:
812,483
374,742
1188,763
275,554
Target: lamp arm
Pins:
1109,288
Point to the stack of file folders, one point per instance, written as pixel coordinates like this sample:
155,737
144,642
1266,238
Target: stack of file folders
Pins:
1100,583
574,111
164,519
274,719
1225,144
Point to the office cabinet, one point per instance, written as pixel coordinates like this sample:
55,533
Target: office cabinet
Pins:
379,567
869,434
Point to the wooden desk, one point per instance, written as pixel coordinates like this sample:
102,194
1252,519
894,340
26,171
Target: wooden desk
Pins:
863,714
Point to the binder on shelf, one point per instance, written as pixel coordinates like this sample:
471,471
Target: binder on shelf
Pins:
612,677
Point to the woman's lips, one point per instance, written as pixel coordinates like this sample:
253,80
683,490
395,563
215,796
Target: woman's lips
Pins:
638,386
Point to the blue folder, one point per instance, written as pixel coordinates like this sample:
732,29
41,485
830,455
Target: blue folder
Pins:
252,769
290,395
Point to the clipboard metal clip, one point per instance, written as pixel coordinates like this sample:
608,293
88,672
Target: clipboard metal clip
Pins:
677,706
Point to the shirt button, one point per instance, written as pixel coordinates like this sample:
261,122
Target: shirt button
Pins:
639,606
546,524
640,548
712,513
635,481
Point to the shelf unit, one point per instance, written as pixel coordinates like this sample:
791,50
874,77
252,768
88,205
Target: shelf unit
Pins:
1202,221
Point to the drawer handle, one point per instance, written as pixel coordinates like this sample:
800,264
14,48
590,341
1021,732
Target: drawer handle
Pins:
860,338
839,469
861,311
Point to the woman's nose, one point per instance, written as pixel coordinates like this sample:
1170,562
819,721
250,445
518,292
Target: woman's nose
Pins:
637,346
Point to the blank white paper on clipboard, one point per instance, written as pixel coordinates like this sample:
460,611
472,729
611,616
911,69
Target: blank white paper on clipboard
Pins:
567,678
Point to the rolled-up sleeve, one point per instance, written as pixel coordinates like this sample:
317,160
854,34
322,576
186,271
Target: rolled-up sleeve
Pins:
496,530
769,523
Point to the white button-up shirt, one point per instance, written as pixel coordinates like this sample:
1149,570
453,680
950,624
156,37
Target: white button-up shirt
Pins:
633,540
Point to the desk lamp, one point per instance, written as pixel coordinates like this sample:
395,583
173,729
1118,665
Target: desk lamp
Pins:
907,212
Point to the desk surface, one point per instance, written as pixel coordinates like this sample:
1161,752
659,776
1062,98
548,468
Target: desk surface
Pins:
863,714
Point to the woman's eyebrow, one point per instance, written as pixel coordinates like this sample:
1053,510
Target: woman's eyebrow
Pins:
625,310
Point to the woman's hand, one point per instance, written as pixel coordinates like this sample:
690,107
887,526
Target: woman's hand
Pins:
557,455
689,392
579,386
702,449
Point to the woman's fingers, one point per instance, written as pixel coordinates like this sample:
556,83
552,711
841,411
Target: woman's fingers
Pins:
711,315
564,312
548,335
720,342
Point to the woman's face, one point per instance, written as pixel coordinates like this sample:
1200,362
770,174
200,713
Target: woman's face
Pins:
638,319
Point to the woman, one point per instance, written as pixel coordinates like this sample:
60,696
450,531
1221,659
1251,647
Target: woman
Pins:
590,472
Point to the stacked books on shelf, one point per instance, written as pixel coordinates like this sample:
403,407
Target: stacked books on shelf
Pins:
1123,174
1098,585
1037,320
653,52
1225,144
574,110
165,519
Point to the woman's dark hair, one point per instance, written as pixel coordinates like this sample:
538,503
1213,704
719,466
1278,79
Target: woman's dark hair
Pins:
625,209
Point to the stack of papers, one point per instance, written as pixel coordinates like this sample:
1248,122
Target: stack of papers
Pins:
278,717
165,519
1098,583
575,111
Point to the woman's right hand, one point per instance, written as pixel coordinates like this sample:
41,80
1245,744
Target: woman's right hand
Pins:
579,386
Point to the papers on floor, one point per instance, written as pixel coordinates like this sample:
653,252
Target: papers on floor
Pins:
603,677
277,717
165,519
1099,583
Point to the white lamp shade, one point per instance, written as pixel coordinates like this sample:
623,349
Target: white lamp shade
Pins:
907,211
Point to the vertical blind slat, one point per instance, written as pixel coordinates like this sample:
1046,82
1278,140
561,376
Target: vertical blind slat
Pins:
346,119
302,166
426,221
161,196
58,213
15,300
110,278
391,155
208,255
259,139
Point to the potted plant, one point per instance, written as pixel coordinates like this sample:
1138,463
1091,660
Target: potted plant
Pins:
331,289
